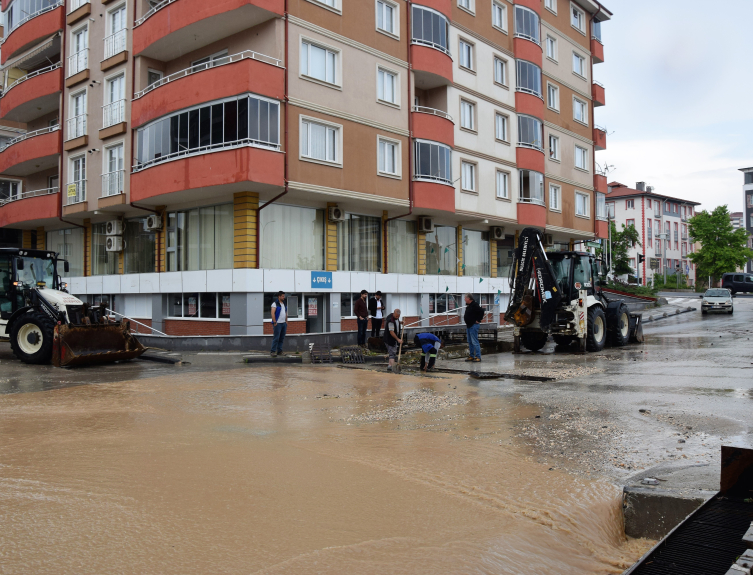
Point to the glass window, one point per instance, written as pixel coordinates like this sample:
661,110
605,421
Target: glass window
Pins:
346,305
468,172
579,65
580,112
388,157
596,30
578,19
530,132
581,204
466,55
386,14
292,238
386,86
465,4
103,262
467,113
359,244
527,24
402,242
500,127
553,97
581,158
554,147
430,27
476,253
503,185
200,239
500,71
529,78
433,161
319,62
551,4
319,141
505,249
601,209
499,16
551,48
138,247
531,187
441,251
749,177
69,245
9,190
555,198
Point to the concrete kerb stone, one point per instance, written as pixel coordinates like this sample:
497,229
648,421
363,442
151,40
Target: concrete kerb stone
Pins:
653,513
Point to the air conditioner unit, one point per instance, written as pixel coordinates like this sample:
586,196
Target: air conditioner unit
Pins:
498,233
114,228
425,225
548,239
154,223
114,244
336,214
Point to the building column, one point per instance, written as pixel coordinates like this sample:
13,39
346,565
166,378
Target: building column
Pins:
459,250
492,258
159,311
421,238
42,240
26,240
88,247
160,253
245,214
424,309
331,240
246,314
333,317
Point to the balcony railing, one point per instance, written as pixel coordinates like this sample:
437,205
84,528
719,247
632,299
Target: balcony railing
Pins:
28,17
28,135
76,192
431,45
196,69
78,62
433,111
532,200
153,11
76,127
32,75
29,194
76,4
115,43
113,113
527,37
112,183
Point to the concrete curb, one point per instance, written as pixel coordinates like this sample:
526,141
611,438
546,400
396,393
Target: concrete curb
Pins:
665,315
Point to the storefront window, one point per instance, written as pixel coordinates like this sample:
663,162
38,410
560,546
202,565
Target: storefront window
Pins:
292,238
402,247
505,250
69,244
199,305
476,253
294,301
359,240
441,251
200,239
138,247
103,262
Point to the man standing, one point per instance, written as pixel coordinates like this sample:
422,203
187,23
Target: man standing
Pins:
279,323
376,307
361,310
393,336
473,316
429,344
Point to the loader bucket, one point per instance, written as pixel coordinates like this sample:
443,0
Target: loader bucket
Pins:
93,344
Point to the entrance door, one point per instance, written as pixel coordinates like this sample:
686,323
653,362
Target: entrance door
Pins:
314,313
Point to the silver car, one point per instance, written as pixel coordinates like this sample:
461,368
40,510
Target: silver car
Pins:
717,299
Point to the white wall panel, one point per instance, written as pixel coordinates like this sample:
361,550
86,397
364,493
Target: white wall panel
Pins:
130,283
77,285
194,281
447,281
94,285
386,283
171,282
248,280
276,280
407,283
149,283
428,284
219,280
468,285
341,282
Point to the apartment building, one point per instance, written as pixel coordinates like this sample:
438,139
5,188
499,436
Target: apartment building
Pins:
748,213
652,215
192,158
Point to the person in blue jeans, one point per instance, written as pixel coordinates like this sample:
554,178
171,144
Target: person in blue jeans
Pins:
473,316
279,323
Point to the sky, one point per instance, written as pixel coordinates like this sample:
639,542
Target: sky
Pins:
678,76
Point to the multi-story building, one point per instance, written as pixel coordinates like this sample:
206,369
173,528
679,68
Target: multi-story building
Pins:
652,215
320,147
737,220
748,214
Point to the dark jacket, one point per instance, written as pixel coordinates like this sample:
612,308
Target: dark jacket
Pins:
388,339
373,307
360,310
473,313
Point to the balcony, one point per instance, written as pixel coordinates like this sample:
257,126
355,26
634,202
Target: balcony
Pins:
113,120
432,65
112,183
600,138
31,152
76,135
244,72
532,213
597,51
76,193
600,183
433,124
115,50
33,95
175,27
598,94
30,209
78,68
32,29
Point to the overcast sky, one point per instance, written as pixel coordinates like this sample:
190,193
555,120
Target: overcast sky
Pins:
679,83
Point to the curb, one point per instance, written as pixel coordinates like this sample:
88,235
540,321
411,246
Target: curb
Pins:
665,315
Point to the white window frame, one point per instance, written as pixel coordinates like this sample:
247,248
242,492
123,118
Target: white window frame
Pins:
338,162
551,41
398,174
581,18
576,102
470,52
556,104
581,59
506,179
106,96
338,63
395,18
470,8
396,85
588,204
470,168
505,72
503,10
85,127
554,145
106,167
506,123
580,151
160,73
19,189
336,7
551,5
472,106
555,198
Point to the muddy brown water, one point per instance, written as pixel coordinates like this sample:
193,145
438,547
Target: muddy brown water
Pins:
256,470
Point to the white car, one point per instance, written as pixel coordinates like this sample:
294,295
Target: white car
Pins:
717,299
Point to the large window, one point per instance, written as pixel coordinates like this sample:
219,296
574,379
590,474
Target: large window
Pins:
138,247
199,305
578,19
433,161
69,244
387,86
359,244
320,141
319,62
581,204
581,158
531,187
200,239
243,120
292,238
22,10
499,16
527,24
529,78
530,132
9,190
442,252
387,17
431,28
505,250
601,210
103,262
476,254
402,251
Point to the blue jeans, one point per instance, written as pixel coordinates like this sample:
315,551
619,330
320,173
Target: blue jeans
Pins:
280,330
362,325
474,348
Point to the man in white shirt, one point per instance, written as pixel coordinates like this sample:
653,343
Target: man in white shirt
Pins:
279,323
376,311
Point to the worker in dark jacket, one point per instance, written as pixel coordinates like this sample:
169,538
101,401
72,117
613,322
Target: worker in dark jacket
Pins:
361,311
473,316
429,344
393,337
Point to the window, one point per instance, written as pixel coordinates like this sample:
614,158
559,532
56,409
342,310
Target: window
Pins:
465,4
503,185
596,30
650,231
500,127
581,158
154,76
630,204
78,61
577,18
648,204
554,148
112,178
750,199
102,261
320,141
610,210
530,132
431,28
402,246
527,24
601,206
468,172
551,48
242,120
529,78
551,5
386,17
331,3
115,43
629,223
500,71
499,16
466,54
467,113
210,61
531,187
476,253
579,65
631,262
203,305
291,238
580,111
22,10
749,177
77,180
77,120
441,251
387,86
388,157
433,162
319,63
70,245
359,244
553,97
555,198
138,247
114,109
581,204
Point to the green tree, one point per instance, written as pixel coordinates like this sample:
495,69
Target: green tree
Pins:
622,241
723,248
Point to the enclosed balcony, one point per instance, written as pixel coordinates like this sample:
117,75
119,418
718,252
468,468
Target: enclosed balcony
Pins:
33,95
29,23
29,209
430,48
600,138
175,27
598,94
433,188
31,152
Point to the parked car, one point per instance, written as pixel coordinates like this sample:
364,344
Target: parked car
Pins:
738,283
717,299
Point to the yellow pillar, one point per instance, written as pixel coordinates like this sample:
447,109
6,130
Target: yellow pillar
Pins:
121,262
492,258
459,250
517,238
331,241
421,253
572,244
160,253
26,240
87,247
245,213
41,239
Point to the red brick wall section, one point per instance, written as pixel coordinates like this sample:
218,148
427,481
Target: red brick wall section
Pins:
293,327
136,328
187,327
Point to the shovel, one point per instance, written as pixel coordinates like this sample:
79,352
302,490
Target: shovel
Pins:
397,368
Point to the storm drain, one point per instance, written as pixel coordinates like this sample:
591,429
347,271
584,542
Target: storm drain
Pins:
352,355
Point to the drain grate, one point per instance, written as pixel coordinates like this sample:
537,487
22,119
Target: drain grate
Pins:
352,355
321,353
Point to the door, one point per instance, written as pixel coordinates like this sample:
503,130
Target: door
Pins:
113,184
79,60
115,103
314,312
115,43
78,173
77,123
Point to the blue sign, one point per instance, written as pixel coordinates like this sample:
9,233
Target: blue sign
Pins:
321,280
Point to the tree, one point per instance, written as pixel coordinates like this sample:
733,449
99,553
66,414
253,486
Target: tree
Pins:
621,243
723,248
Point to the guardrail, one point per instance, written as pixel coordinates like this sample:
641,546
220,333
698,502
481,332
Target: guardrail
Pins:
28,135
112,183
78,62
76,127
30,17
433,111
153,11
32,75
113,113
115,43
30,194
431,45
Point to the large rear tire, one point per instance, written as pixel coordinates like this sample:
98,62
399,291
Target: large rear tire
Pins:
533,341
31,338
618,326
597,329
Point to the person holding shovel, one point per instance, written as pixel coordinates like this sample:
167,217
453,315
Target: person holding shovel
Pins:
393,336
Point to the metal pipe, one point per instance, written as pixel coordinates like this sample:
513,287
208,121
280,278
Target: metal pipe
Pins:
137,322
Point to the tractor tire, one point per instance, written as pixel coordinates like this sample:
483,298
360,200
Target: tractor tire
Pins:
618,326
31,338
533,341
564,340
597,329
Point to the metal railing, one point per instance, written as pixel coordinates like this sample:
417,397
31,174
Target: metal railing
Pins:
29,17
250,54
153,11
454,317
29,194
78,62
32,75
539,201
527,37
113,113
433,112
76,4
76,127
76,192
115,43
28,135
529,91
432,45
112,183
